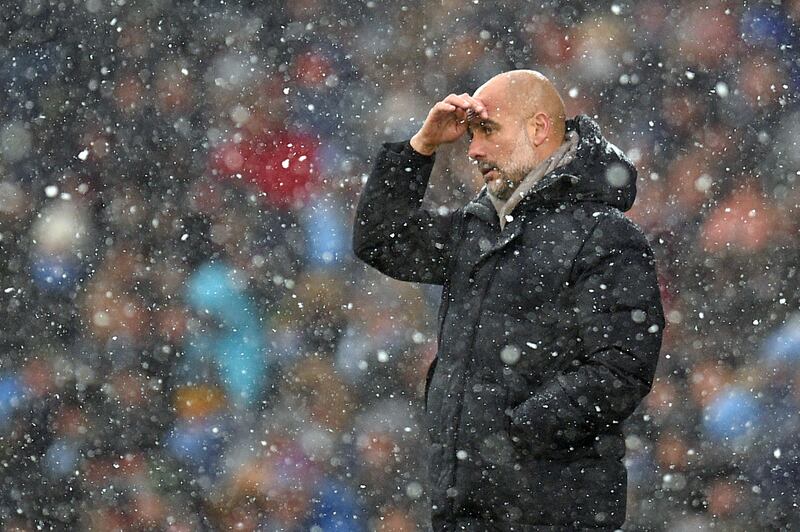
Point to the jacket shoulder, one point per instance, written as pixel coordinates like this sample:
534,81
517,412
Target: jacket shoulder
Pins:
614,225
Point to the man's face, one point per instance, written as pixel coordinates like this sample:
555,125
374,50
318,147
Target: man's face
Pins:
500,144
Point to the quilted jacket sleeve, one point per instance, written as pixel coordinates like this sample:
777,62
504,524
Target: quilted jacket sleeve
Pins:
392,231
620,321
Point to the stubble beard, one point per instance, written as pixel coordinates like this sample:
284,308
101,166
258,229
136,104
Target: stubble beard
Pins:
522,161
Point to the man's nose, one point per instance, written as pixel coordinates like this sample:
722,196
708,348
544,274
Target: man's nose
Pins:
476,151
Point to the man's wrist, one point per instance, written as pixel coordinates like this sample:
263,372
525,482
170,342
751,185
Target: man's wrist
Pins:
421,147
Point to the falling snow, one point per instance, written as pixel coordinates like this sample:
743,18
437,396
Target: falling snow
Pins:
190,344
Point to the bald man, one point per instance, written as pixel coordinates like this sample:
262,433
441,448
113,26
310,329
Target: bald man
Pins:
550,321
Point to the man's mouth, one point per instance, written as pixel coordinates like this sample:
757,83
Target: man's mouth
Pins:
489,172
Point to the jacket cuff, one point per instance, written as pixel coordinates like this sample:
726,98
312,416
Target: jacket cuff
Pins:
404,150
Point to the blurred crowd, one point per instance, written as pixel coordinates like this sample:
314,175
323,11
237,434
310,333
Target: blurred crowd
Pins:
188,342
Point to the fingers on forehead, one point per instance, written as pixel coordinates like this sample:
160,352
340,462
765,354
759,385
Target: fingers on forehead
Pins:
456,100
473,99
463,100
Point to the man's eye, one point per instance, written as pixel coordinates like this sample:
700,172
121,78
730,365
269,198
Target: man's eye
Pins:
487,130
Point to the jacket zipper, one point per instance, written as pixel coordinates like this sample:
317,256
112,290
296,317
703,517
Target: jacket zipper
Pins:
467,372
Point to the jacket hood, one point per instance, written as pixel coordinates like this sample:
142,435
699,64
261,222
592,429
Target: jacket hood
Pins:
599,172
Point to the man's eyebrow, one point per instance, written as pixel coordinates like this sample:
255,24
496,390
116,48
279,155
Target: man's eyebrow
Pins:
484,122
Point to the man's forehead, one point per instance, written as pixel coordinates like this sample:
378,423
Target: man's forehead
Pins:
493,91
496,108
515,94
493,96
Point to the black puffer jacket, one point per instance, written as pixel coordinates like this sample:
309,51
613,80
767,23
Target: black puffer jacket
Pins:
549,335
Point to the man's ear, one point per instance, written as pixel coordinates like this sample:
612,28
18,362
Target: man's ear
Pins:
540,127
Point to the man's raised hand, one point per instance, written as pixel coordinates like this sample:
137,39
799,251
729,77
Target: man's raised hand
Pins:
446,122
